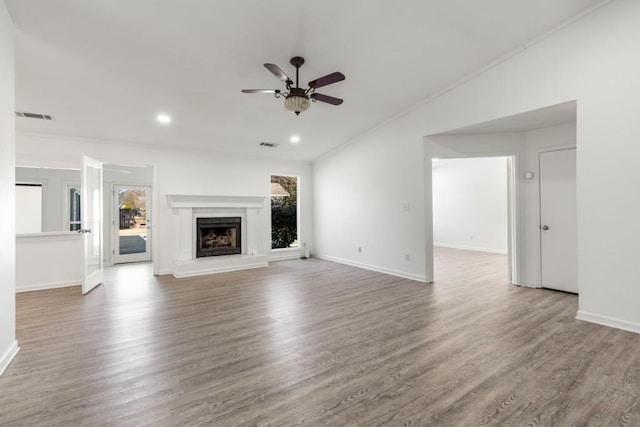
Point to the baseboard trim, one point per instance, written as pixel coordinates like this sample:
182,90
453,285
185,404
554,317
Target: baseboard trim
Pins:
8,356
214,270
612,322
285,256
44,286
164,272
404,275
470,248
528,284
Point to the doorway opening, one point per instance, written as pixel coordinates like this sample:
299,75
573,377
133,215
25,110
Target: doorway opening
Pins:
128,213
473,211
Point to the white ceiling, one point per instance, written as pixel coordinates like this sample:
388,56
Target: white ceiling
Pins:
105,68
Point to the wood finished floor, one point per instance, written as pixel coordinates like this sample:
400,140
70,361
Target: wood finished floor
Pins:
317,343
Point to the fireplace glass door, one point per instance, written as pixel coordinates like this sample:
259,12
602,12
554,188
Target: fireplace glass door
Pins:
218,236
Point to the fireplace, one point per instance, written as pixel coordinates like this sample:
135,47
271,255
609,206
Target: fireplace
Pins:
218,236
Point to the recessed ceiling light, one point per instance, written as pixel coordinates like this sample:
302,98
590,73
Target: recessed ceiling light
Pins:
164,118
295,139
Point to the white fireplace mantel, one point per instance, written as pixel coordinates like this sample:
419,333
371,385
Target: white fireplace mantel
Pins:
189,207
203,201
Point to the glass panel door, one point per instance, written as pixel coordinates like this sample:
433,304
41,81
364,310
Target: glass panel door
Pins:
131,223
92,223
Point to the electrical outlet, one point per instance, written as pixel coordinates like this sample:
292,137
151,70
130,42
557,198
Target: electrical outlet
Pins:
407,257
472,237
359,249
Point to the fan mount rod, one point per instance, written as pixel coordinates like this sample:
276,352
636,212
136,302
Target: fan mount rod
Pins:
297,62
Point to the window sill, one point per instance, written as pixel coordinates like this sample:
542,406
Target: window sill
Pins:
282,250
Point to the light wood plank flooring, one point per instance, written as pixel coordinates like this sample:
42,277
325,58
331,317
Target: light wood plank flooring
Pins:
310,342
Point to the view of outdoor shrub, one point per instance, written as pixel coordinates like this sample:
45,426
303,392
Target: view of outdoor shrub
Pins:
284,216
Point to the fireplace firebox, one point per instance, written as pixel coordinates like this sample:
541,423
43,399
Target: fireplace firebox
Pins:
218,236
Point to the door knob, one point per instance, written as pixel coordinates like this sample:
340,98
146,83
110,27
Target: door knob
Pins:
545,227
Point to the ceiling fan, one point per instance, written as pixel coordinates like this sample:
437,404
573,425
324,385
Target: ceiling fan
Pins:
297,99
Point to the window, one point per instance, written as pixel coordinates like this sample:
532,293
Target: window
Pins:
74,217
284,212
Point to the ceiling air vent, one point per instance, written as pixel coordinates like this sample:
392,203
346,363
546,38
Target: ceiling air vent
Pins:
269,144
34,115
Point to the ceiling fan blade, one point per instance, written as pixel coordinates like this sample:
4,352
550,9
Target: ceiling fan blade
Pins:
327,80
278,72
260,90
326,98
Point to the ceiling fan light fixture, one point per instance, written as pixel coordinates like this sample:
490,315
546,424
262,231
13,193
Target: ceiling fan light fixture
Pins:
296,103
297,99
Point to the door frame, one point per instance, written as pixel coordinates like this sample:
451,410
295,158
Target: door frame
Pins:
514,216
155,213
538,236
115,243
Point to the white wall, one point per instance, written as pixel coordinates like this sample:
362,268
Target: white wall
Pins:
470,204
179,172
361,197
48,261
594,61
8,344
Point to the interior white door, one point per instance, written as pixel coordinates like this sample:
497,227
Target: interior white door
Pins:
131,220
558,214
92,223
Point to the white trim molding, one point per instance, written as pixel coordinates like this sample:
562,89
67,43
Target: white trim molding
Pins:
404,275
8,356
285,254
469,248
530,284
50,235
43,286
612,322
221,264
176,201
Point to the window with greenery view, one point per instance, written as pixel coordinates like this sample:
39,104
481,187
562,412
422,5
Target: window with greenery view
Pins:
284,212
75,220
